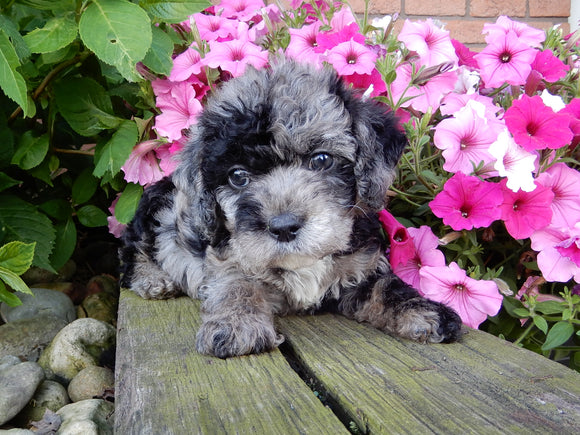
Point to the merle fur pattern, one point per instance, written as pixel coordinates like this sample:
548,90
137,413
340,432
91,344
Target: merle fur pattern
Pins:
273,210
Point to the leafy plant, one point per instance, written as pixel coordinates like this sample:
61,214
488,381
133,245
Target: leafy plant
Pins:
15,259
75,102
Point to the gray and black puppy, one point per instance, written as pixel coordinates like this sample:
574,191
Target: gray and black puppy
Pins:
273,210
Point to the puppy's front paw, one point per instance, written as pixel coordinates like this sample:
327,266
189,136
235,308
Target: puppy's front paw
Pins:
225,337
427,321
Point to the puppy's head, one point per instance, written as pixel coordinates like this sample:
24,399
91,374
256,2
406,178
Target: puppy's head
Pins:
280,163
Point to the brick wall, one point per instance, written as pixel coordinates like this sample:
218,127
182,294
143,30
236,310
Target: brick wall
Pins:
465,18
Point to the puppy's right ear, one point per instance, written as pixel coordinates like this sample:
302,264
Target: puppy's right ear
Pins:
195,202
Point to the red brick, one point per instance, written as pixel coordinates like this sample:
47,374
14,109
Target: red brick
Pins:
495,8
376,7
435,8
466,31
550,8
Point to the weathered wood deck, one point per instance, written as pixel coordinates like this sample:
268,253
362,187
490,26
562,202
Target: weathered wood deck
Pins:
369,382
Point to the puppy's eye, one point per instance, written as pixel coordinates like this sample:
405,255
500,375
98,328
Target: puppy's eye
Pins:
239,178
320,162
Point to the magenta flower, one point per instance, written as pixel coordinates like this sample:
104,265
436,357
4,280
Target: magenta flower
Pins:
564,182
526,34
179,109
234,56
401,244
373,81
425,254
465,138
549,66
466,202
351,57
432,44
142,166
572,110
473,299
558,253
185,65
526,212
505,60
464,54
116,228
215,28
535,126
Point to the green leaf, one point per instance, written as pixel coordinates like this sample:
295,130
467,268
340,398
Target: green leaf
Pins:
550,307
521,312
113,154
57,33
7,297
118,32
558,335
92,216
11,81
85,105
541,323
50,5
7,182
13,281
128,202
65,243
31,151
84,187
59,209
158,59
174,11
21,221
11,30
17,256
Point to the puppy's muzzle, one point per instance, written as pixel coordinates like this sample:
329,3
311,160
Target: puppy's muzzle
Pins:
284,227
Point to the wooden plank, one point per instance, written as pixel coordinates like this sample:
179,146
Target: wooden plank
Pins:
163,386
478,386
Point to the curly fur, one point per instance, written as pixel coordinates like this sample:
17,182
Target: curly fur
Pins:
273,210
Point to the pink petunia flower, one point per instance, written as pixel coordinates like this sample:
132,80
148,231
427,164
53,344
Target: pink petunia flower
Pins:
432,44
572,110
234,56
401,249
185,65
373,82
549,66
528,35
564,182
464,54
116,228
466,137
466,202
427,95
526,212
513,162
179,109
351,57
454,102
329,40
142,166
214,28
505,60
303,44
473,299
535,126
243,10
558,253
425,254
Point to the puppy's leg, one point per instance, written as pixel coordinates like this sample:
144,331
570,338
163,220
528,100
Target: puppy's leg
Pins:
238,319
389,304
149,281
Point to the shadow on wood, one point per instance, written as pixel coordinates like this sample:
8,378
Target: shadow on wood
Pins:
372,382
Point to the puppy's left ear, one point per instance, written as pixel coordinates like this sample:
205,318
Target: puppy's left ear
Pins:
380,145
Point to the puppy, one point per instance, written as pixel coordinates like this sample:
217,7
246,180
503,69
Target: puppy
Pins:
273,210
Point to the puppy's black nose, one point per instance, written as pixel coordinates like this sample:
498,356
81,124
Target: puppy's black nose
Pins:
284,227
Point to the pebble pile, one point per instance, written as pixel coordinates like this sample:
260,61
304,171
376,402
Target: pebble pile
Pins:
57,358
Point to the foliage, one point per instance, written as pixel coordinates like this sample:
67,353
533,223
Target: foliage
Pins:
15,259
485,198
73,107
